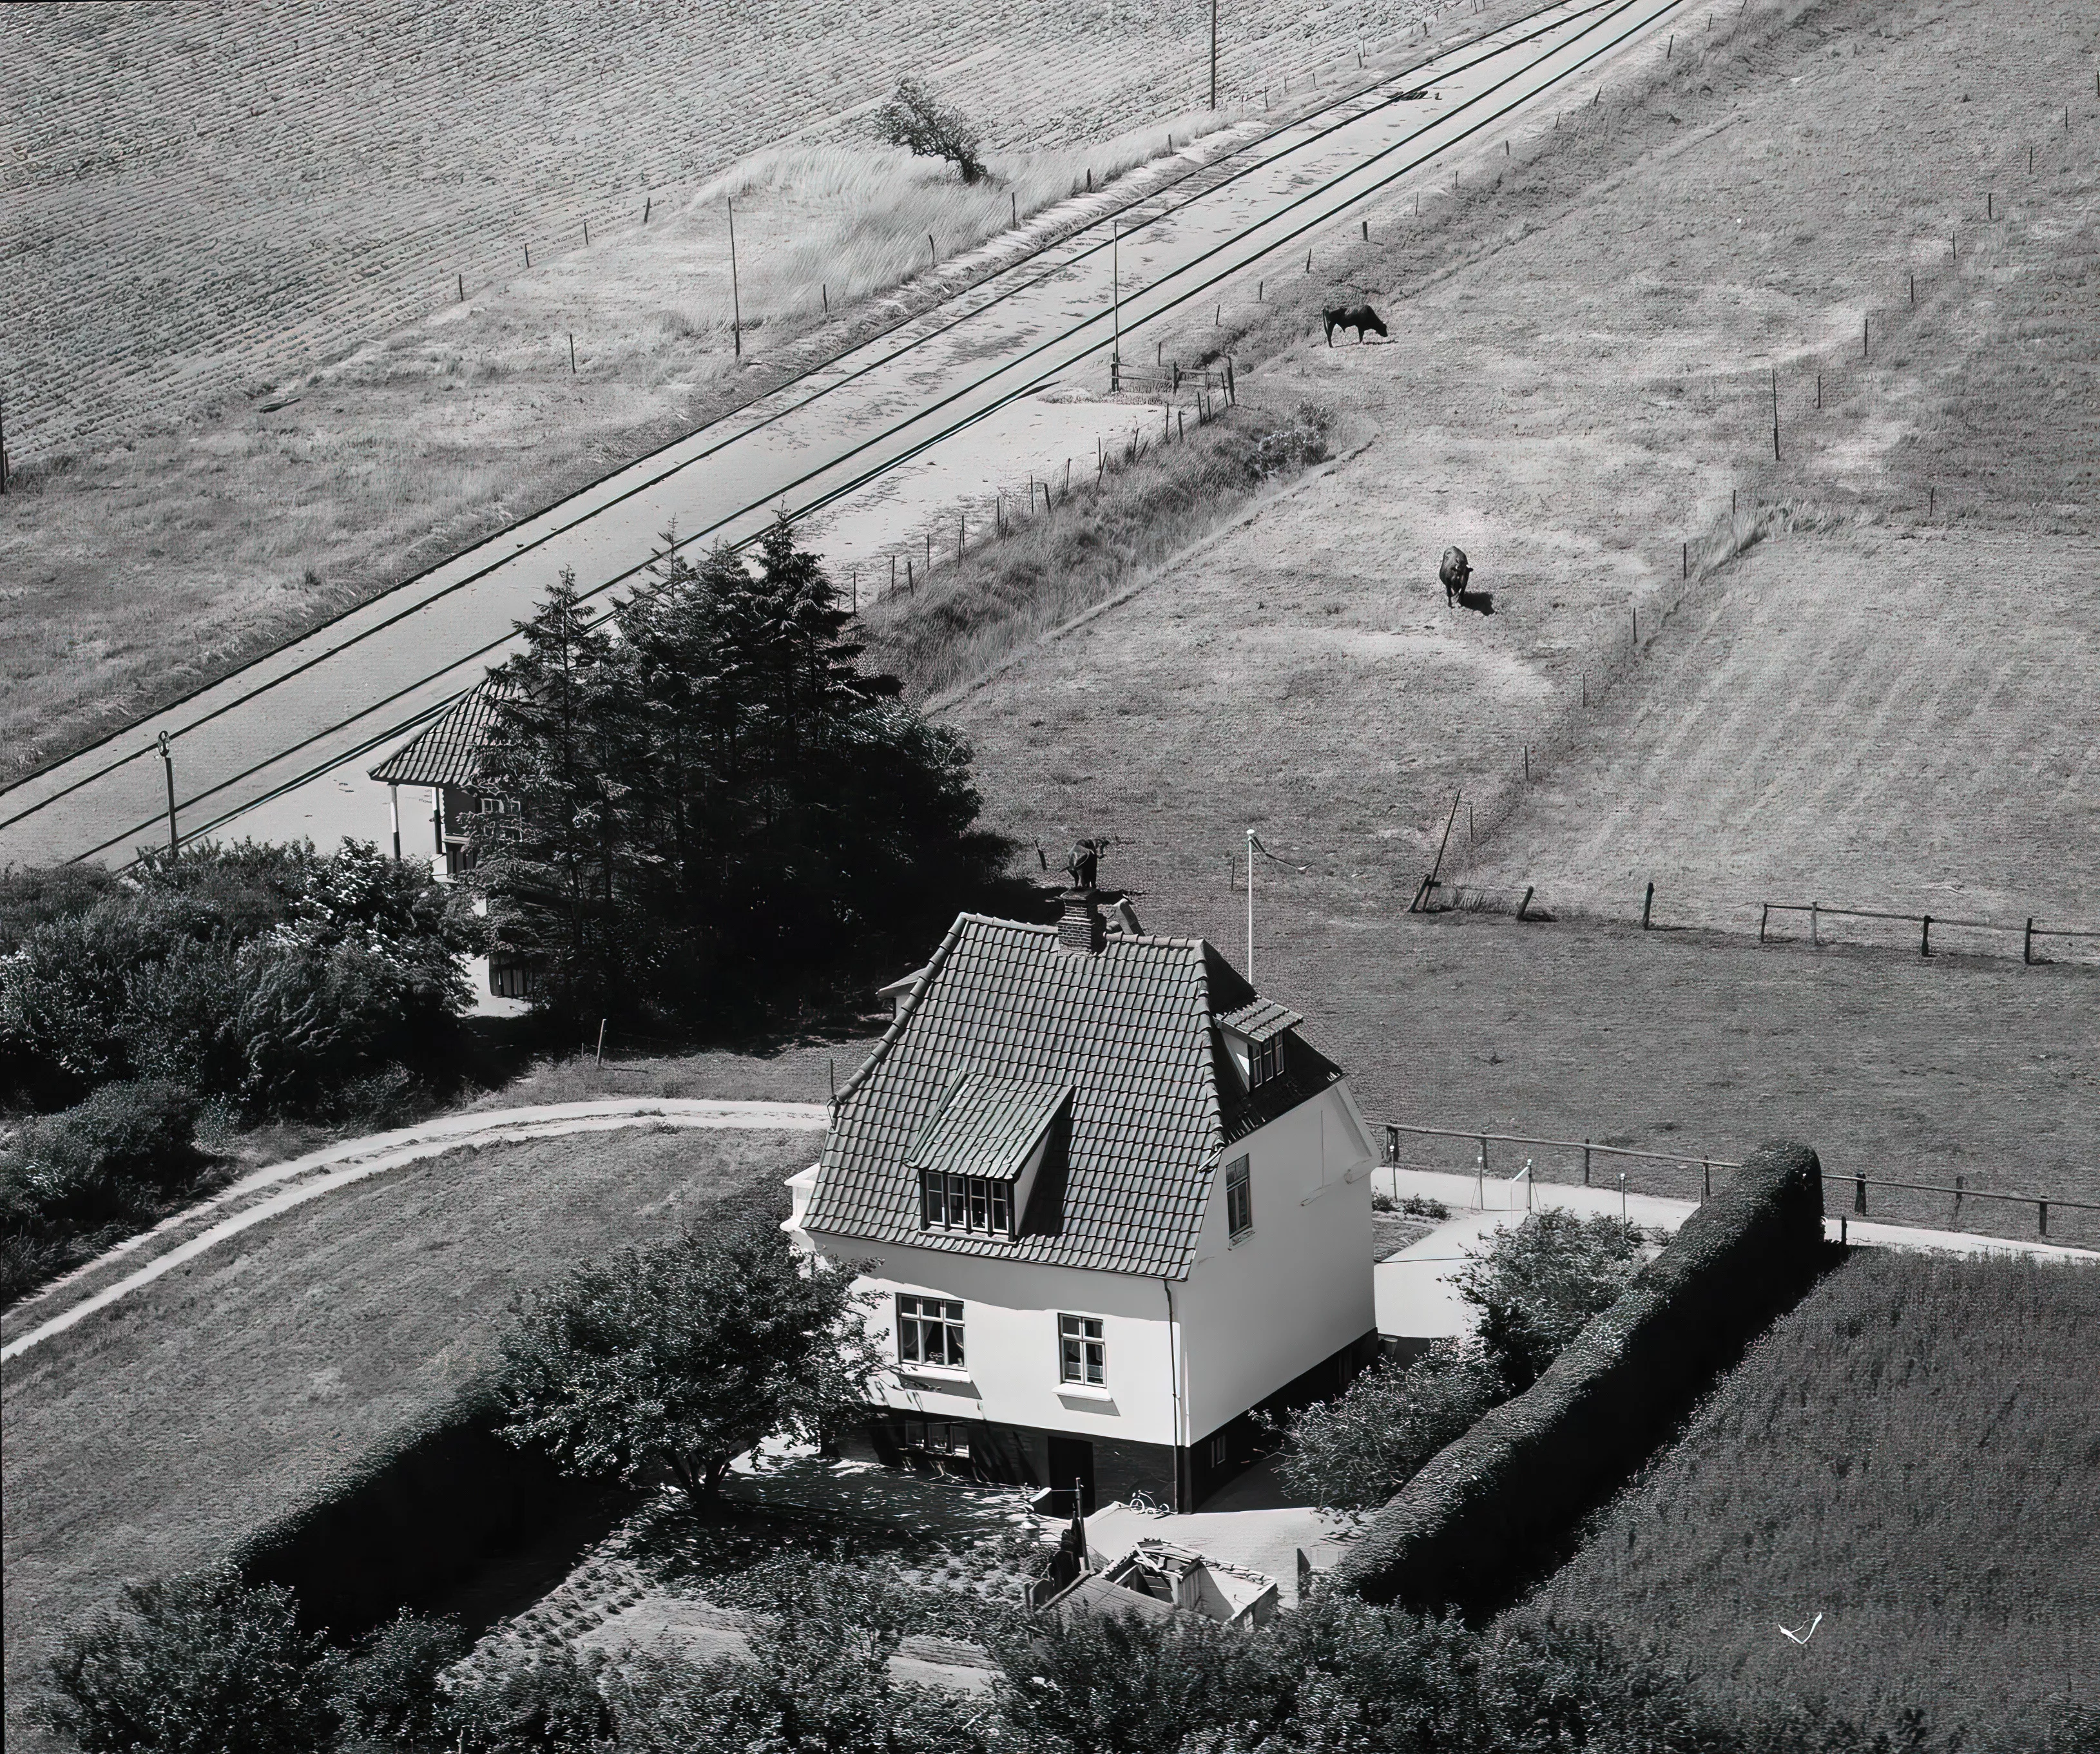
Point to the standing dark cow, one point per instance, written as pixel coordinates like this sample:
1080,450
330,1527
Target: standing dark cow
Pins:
1454,572
1360,318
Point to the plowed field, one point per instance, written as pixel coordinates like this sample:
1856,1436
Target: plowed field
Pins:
204,197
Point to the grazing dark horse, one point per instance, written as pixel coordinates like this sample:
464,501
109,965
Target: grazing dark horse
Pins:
1360,318
1454,572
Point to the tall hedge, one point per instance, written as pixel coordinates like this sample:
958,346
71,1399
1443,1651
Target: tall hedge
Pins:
1484,1511
417,1515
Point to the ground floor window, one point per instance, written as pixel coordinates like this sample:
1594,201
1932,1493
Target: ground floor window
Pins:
1082,1351
933,1437
930,1331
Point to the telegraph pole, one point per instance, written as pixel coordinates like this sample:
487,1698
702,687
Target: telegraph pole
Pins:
168,761
1214,54
1250,957
735,299
1115,297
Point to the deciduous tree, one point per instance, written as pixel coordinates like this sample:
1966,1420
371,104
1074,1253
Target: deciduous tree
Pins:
681,1358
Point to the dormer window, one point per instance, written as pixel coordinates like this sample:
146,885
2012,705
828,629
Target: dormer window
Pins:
966,1203
1255,1034
978,1154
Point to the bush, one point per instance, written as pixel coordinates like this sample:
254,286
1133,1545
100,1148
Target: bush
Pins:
915,119
417,1514
1355,1452
1474,1519
545,1702
66,1180
386,1696
1537,1287
197,1664
269,976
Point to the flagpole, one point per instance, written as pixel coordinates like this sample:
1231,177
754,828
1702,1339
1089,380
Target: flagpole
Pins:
1249,955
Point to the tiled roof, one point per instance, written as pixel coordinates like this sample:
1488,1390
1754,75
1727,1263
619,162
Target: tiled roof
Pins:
1261,1020
986,1126
444,752
1154,1098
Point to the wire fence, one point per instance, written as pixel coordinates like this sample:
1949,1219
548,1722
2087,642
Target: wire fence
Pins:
1688,1165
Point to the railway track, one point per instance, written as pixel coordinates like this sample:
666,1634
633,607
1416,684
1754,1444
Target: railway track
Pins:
278,745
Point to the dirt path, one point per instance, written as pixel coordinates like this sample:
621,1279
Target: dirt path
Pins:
255,1199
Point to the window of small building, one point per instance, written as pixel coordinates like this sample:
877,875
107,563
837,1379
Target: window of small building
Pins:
930,1331
968,1203
1082,1350
1239,1198
1264,1061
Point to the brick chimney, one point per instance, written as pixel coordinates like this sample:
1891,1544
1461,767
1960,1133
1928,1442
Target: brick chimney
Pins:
1081,928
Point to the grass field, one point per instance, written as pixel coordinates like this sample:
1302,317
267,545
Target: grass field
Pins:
1571,388
1910,1452
149,1438
243,388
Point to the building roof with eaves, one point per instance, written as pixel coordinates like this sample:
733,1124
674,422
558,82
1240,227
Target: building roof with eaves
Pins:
1115,1048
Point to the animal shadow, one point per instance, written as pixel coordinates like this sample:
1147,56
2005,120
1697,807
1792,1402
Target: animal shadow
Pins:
1482,601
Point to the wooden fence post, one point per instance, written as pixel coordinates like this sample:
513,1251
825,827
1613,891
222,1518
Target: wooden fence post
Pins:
2026,944
1925,938
1860,1195
1586,1163
1764,915
1648,903
1961,1187
2041,1211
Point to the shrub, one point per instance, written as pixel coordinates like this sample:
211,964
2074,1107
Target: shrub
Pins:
1113,1684
386,1695
67,1178
1537,1286
1355,1452
541,1701
917,121
268,976
198,1665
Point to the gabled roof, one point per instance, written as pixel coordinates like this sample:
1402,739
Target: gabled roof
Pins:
445,752
986,1126
1129,1031
1261,1020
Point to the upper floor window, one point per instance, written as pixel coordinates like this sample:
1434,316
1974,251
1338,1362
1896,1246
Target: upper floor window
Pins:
930,1331
1082,1350
965,1203
1264,1061
1239,1198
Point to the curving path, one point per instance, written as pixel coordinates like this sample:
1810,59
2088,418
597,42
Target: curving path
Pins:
283,1186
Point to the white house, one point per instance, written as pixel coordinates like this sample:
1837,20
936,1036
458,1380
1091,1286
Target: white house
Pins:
1109,1201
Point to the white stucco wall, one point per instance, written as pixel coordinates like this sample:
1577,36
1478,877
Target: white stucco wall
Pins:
1297,1287
1010,1311
1250,1317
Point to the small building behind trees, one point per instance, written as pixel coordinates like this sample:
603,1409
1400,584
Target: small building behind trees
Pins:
442,758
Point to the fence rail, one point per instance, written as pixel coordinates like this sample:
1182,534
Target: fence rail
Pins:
1816,911
1860,1183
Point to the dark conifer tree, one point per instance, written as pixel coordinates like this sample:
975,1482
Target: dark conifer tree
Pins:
714,803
